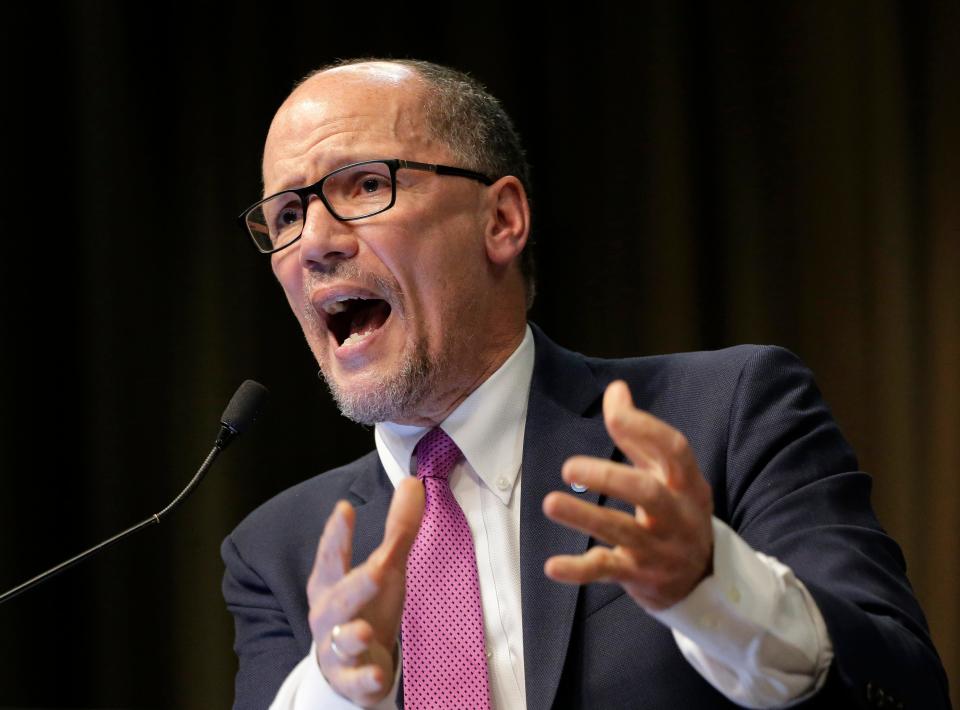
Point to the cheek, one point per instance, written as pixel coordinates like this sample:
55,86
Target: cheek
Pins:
290,277
437,258
288,274
443,255
453,293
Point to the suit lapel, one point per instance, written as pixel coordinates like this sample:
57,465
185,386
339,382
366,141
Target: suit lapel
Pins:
562,390
372,493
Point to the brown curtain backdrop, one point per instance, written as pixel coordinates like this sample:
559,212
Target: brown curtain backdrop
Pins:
705,174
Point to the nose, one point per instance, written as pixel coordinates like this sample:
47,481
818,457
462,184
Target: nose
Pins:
325,239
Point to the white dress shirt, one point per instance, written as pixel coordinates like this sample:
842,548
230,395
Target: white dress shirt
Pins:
751,629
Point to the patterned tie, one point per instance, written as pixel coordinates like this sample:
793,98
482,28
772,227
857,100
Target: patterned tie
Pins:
444,659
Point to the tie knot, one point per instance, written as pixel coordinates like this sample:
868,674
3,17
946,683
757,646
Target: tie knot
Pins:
436,454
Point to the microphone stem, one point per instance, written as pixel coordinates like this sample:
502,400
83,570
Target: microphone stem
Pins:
6,596
152,520
194,482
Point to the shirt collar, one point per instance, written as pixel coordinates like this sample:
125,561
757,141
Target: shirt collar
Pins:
488,426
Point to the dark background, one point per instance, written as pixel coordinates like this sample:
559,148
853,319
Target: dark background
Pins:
705,174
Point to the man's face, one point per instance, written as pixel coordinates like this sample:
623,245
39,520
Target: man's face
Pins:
389,302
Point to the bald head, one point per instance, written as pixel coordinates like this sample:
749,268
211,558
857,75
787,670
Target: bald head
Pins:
352,102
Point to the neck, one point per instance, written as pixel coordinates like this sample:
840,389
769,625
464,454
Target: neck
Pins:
464,381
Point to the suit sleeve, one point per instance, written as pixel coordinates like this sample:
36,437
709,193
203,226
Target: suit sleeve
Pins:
265,644
794,491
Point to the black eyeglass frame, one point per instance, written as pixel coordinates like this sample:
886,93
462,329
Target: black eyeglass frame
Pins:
394,164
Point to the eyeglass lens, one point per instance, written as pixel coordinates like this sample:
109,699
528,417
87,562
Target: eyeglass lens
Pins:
352,192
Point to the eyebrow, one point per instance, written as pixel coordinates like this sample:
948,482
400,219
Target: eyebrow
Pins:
342,159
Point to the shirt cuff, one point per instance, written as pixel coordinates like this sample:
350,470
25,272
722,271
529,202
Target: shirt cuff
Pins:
306,688
751,628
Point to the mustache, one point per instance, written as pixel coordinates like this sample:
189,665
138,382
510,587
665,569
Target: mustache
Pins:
350,271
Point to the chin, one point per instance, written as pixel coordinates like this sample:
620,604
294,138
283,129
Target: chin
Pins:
370,404
370,398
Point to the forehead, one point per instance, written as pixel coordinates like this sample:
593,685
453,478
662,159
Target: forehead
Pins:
346,114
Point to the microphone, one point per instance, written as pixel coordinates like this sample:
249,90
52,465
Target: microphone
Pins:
240,413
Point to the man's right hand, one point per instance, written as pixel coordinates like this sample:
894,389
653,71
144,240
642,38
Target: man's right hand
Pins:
364,605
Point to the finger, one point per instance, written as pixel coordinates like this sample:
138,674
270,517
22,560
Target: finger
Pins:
636,486
598,564
623,427
357,683
343,601
643,437
613,527
351,639
334,549
403,523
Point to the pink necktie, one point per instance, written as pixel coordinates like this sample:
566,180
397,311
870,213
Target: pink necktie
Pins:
444,658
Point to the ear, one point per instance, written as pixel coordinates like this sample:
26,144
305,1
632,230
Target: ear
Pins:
508,220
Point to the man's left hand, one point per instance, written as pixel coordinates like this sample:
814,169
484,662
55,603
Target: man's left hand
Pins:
665,549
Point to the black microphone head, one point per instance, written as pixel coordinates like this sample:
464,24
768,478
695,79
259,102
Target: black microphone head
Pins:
244,406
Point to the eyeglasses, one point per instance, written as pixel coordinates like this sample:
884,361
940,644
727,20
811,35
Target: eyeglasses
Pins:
352,192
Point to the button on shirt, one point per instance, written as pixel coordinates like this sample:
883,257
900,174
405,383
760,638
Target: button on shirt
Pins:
751,629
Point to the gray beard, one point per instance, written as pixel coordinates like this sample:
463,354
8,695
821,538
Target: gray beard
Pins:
393,399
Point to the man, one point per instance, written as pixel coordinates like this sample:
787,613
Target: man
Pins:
575,550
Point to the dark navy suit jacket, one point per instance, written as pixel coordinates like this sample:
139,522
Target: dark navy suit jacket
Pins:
782,476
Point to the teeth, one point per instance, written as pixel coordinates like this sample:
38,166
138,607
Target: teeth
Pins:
357,337
338,304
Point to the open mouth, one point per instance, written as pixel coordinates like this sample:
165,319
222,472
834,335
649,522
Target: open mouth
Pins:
352,319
